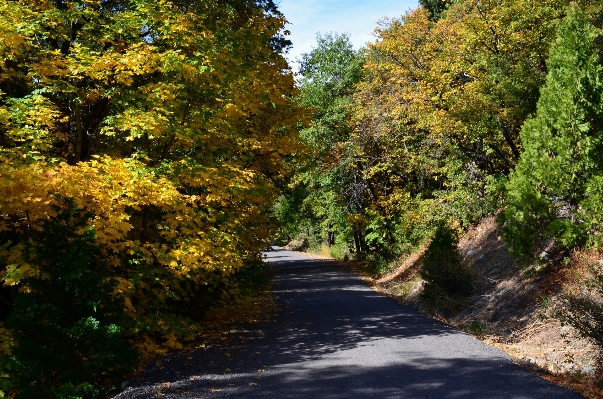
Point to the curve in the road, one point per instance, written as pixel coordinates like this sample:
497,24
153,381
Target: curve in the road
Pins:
337,338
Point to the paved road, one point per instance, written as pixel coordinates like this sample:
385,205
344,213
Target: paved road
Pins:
337,338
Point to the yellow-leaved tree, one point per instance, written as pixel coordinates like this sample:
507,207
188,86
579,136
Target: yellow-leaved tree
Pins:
440,107
159,130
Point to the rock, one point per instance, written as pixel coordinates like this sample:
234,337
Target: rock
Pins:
297,245
565,331
125,385
587,370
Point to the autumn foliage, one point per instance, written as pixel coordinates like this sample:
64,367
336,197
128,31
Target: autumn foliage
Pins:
459,110
150,136
431,128
143,145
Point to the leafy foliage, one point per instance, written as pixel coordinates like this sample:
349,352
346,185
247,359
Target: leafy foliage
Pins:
168,125
443,269
429,129
69,327
435,7
320,199
554,189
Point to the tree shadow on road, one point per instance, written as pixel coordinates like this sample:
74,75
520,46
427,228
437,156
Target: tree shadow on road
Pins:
337,338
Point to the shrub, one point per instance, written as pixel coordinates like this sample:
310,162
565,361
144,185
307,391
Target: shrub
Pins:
443,269
68,325
475,328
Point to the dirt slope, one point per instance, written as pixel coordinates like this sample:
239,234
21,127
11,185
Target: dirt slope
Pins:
505,310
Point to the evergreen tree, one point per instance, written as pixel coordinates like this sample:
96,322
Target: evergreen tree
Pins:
552,190
443,269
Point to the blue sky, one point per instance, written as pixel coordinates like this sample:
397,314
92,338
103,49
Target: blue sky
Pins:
356,17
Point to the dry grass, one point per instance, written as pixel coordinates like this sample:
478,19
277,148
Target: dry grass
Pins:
506,305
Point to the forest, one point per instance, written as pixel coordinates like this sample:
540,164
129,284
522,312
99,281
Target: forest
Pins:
459,112
151,150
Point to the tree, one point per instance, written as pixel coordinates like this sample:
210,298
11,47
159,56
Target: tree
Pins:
168,123
329,73
438,112
435,7
555,187
405,154
443,269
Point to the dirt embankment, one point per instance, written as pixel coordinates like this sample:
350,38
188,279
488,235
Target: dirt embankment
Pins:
506,310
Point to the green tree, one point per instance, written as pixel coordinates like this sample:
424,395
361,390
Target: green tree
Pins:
435,7
443,269
555,190
329,74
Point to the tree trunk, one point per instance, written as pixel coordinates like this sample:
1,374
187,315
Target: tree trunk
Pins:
145,224
79,139
330,236
357,242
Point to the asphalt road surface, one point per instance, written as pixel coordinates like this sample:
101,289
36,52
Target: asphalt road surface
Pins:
337,338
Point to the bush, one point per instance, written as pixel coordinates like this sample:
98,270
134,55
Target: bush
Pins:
376,265
443,269
67,324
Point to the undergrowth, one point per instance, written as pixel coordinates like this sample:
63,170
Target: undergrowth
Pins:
448,280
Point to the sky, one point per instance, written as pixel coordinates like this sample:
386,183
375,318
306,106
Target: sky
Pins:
358,18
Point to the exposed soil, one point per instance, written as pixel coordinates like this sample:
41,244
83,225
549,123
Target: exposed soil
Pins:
506,310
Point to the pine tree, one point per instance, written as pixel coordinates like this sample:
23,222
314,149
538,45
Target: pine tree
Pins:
562,160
